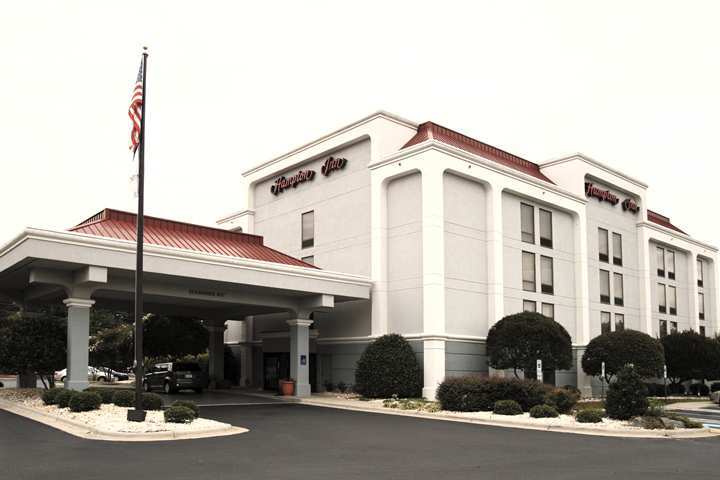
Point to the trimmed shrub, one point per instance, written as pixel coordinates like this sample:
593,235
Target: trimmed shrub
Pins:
656,389
621,348
62,398
543,411
652,423
388,367
715,387
49,397
85,401
561,399
473,393
518,341
179,414
151,401
187,404
507,407
124,398
676,389
105,393
590,415
699,389
627,396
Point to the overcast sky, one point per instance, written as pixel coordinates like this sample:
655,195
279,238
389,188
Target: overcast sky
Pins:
632,84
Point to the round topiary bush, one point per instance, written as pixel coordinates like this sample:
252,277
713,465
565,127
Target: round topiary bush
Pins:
388,367
151,401
179,414
591,415
187,404
124,398
507,407
543,411
561,399
105,393
62,398
85,401
49,397
626,396
621,348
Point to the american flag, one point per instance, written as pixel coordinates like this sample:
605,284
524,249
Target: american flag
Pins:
135,111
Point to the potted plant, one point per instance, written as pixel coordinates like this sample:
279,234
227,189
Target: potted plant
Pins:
287,387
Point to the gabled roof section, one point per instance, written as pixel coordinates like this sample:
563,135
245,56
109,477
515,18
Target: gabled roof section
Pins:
655,217
432,131
111,223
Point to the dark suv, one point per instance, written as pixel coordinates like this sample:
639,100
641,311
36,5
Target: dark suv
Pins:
174,376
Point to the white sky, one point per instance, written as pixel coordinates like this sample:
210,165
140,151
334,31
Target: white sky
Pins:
632,84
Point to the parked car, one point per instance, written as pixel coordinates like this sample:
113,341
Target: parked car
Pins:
94,374
174,376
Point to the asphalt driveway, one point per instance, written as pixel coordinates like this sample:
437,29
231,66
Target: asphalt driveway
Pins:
292,441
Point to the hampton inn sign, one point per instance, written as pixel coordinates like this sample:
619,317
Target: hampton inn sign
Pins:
607,196
330,165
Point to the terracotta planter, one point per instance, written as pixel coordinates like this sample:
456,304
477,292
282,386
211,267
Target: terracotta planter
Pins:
287,387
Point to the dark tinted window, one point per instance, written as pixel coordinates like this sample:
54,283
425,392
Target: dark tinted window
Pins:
186,367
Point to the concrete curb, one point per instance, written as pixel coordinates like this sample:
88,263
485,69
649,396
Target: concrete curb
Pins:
667,434
81,430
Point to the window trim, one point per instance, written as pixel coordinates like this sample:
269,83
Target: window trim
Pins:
662,323
307,242
615,321
604,257
662,308
672,310
670,273
605,299
608,323
617,260
526,254
701,276
619,301
701,305
527,302
523,206
545,241
660,271
552,307
547,288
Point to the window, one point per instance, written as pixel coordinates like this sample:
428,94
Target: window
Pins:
700,273
604,286
701,306
663,328
672,300
617,249
618,289
546,236
603,244
670,264
605,322
546,275
308,229
527,222
660,262
702,330
309,259
673,327
528,271
619,322
548,309
529,306
662,307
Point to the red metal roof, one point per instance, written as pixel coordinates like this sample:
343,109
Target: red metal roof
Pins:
111,223
662,220
433,131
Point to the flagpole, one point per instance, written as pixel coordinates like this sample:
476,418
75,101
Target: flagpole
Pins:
138,415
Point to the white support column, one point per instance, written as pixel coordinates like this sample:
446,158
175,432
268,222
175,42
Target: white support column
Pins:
646,284
78,336
494,235
433,277
693,292
300,355
216,352
378,253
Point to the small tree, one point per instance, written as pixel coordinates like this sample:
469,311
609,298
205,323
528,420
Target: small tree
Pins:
173,336
627,396
518,341
388,367
621,348
689,356
113,347
33,343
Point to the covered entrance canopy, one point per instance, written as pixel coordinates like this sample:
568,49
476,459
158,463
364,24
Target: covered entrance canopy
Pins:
190,270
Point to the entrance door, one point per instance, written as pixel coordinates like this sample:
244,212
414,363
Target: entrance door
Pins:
276,367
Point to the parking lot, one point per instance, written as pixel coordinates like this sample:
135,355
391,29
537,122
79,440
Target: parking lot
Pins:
299,441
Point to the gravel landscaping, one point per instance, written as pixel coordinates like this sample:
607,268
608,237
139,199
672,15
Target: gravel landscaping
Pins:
109,418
